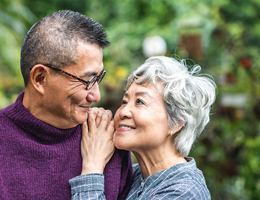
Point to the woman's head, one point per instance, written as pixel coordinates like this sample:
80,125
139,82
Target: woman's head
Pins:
187,96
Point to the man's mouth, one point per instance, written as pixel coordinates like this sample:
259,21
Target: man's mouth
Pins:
85,107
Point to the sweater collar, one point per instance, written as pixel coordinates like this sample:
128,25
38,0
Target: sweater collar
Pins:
36,128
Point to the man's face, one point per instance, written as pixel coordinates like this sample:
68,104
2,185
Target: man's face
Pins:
66,99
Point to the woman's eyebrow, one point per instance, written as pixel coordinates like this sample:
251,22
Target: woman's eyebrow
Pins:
139,94
142,93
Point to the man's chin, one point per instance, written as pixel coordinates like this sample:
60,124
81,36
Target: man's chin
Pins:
83,119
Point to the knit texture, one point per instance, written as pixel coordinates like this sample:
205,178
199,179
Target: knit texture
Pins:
37,160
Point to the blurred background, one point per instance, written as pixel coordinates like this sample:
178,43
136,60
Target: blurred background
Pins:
220,35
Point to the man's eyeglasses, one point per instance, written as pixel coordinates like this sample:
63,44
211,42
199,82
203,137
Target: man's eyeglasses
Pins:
89,84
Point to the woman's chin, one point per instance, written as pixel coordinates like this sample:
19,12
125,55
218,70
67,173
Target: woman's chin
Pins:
119,144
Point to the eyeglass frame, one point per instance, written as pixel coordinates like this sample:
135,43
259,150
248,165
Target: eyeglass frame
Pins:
89,84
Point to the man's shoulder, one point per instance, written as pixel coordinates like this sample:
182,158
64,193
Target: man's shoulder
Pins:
3,115
2,110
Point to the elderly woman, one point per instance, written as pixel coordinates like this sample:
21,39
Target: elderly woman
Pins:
163,111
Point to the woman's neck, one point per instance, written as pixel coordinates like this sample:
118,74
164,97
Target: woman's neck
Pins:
154,161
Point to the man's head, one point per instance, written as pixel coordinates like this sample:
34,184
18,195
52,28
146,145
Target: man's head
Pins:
61,54
55,38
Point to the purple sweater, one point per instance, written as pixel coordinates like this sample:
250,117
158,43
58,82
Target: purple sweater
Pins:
37,160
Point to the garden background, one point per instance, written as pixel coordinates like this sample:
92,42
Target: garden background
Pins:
220,35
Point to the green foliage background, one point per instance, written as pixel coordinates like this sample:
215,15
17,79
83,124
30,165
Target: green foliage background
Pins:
229,31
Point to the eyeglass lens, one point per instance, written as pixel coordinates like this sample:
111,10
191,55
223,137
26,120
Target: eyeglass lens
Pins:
95,79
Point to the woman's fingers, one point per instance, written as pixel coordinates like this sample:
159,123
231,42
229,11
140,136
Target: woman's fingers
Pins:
111,127
97,144
100,114
105,120
91,122
85,128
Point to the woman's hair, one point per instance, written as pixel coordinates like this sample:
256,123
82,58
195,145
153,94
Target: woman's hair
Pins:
188,95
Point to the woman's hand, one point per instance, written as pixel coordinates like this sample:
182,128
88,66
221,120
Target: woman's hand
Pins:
97,141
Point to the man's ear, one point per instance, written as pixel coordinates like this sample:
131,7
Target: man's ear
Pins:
38,77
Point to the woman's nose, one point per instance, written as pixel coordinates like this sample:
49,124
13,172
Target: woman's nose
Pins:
125,111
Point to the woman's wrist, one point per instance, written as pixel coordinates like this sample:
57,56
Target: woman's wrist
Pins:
90,168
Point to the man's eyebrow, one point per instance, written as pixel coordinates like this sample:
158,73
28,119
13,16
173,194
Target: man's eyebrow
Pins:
90,74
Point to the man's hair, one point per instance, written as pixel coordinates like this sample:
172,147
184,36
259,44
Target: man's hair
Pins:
187,94
55,38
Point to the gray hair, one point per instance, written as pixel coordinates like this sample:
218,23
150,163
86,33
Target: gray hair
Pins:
187,95
54,40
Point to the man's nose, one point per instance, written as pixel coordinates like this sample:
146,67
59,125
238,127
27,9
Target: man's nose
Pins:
94,93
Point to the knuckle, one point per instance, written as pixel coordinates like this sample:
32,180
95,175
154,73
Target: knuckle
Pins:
101,109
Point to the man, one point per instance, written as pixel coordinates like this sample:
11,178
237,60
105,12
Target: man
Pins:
61,63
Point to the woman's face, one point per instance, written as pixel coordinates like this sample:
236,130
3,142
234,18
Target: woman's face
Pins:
141,121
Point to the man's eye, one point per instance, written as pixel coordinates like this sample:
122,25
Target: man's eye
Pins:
123,102
91,79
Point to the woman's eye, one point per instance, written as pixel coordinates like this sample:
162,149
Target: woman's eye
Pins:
139,101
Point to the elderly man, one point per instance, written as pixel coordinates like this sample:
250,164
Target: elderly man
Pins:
61,63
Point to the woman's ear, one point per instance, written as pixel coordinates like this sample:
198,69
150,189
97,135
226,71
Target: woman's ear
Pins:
38,77
176,129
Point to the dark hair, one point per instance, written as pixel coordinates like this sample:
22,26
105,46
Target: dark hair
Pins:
54,40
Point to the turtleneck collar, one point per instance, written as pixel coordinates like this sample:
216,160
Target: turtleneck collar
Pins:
35,127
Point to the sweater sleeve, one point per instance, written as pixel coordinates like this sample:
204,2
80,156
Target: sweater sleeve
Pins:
126,175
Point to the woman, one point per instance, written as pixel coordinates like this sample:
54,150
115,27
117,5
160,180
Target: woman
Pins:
164,109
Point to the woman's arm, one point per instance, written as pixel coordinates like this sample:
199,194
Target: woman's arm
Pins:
97,141
89,186
96,149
